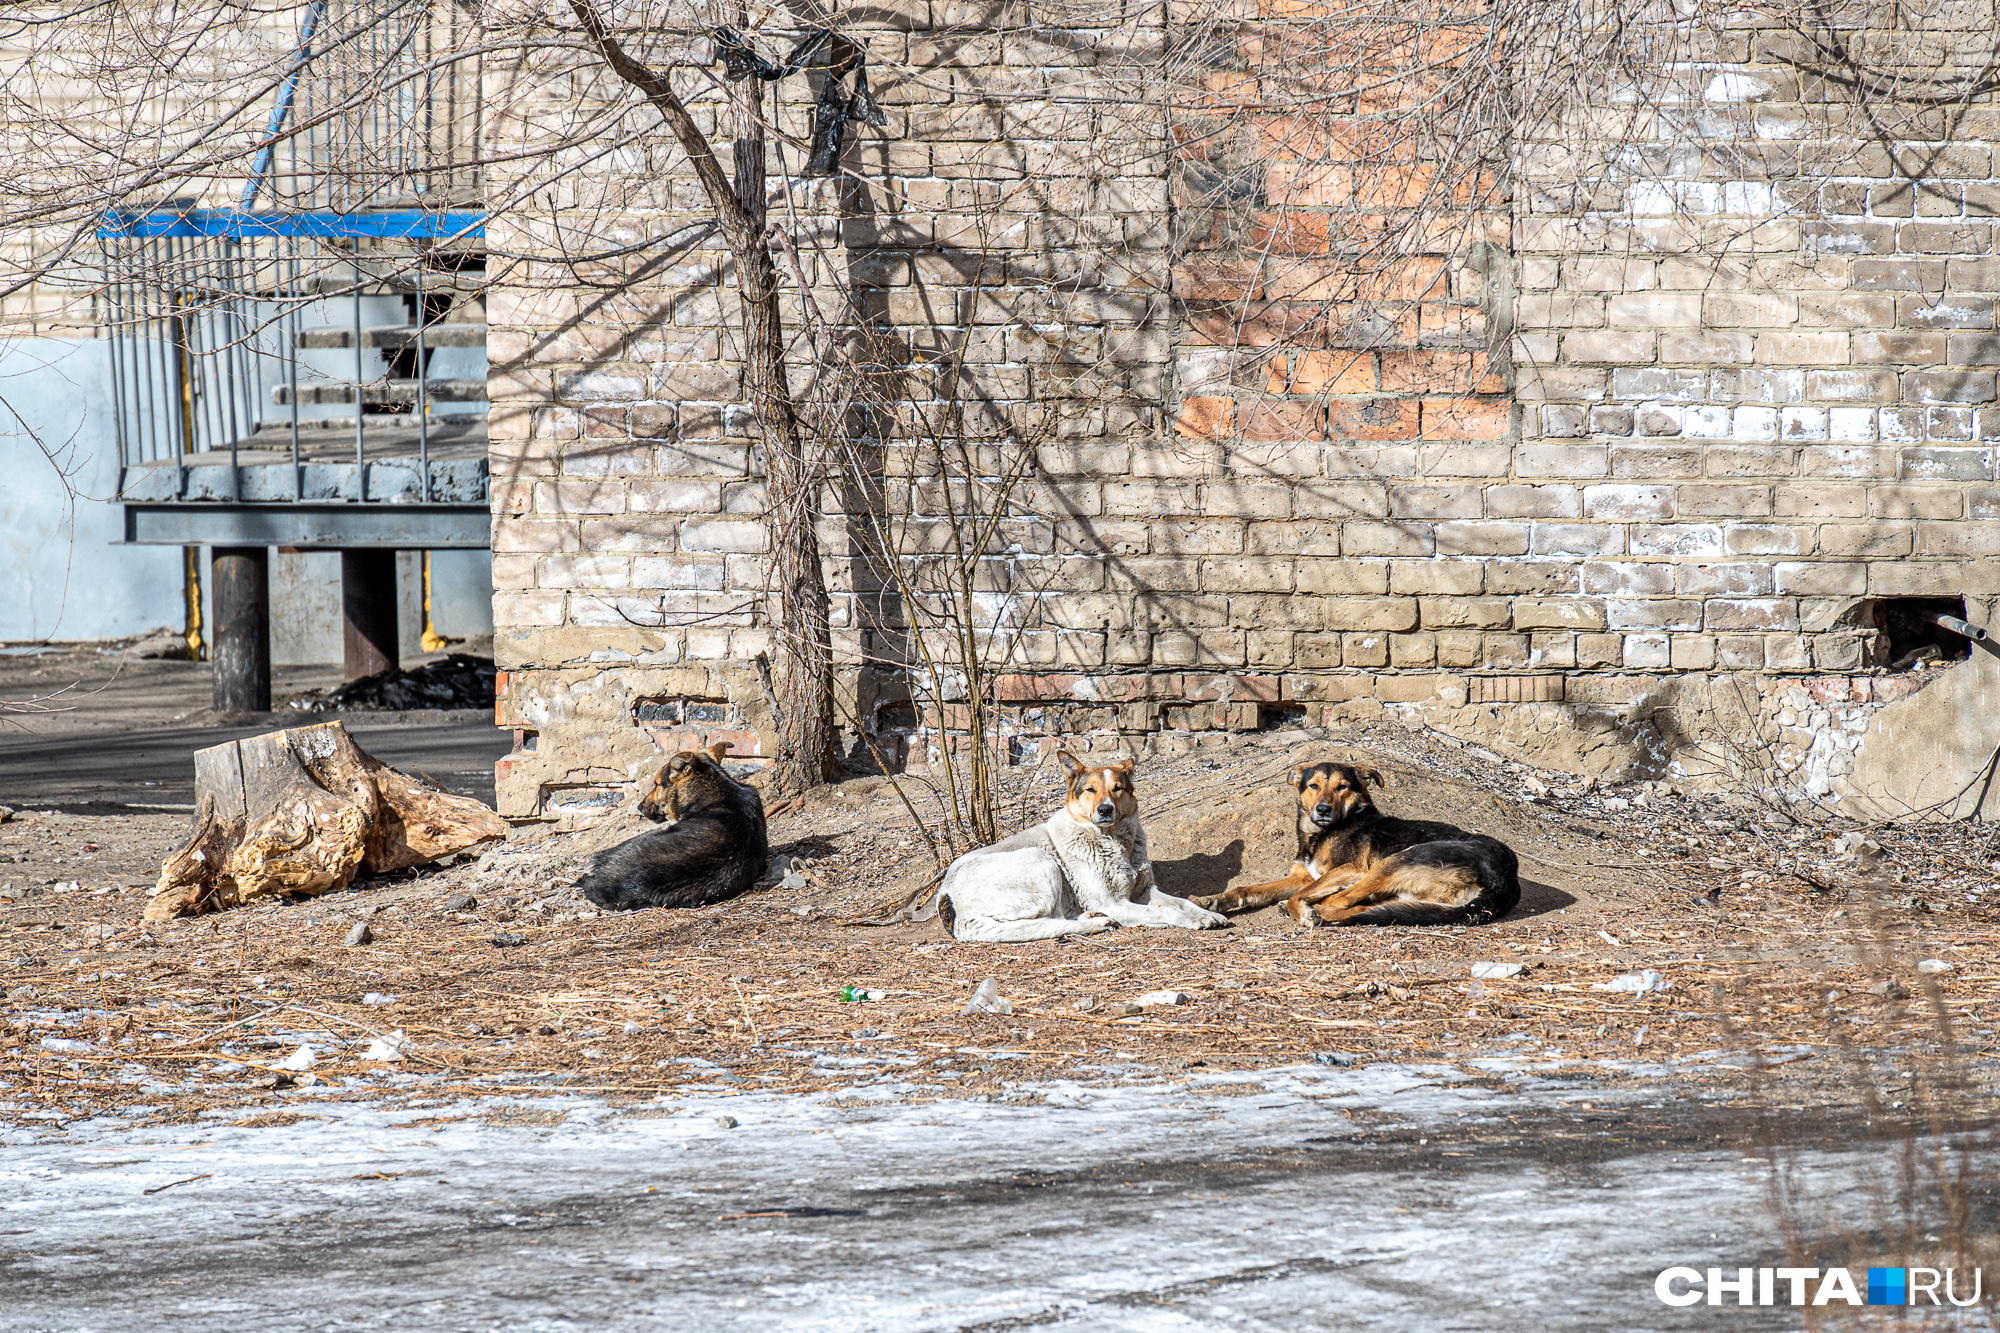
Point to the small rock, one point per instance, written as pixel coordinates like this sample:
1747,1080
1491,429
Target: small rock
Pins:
358,934
725,1122
508,939
1163,997
6,813
460,902
1493,971
793,882
802,909
592,1053
1857,847
1889,990
1335,1057
1930,967
1617,803
1086,1004
1127,1009
633,1029
1229,983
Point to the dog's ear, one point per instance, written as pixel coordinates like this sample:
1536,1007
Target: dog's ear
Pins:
1126,763
1071,764
678,765
720,750
1370,776
1298,778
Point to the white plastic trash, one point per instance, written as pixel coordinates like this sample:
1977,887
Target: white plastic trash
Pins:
298,1061
1153,997
65,1045
1492,971
986,1000
1637,983
386,1048
377,997
1930,967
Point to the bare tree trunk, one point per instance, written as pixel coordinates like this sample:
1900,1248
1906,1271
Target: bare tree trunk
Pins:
808,743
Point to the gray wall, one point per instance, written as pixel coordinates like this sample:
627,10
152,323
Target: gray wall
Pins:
63,577
305,601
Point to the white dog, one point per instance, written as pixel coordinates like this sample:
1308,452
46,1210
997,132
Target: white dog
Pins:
1082,871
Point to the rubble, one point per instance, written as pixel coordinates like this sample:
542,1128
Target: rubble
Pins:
456,680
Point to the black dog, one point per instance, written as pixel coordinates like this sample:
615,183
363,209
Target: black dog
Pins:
715,850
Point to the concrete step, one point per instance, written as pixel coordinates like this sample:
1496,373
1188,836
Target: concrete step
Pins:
390,391
394,336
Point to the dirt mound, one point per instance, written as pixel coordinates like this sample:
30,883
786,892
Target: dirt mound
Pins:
453,681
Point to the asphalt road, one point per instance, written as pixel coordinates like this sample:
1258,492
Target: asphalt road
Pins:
1383,1198
156,764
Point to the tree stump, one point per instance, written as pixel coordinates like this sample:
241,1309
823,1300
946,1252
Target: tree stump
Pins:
302,811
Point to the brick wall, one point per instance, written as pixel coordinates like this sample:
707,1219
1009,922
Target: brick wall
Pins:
1678,424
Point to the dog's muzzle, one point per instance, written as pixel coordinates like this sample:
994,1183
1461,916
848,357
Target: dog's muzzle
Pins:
1323,816
1107,813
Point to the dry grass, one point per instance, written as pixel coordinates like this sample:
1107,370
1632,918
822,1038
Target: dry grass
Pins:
186,1017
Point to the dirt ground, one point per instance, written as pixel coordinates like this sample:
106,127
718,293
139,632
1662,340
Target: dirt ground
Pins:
1776,944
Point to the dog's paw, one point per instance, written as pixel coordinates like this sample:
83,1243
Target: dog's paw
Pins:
1210,902
1096,921
1213,921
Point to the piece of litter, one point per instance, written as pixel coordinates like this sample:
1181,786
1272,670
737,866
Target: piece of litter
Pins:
386,1048
298,1061
1335,1057
1930,967
1086,1004
1610,939
633,1029
508,939
986,1000
1153,997
377,997
359,934
65,1045
792,882
1888,990
1491,971
1637,983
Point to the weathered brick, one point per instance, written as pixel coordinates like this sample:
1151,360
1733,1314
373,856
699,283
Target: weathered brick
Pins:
1619,503
1370,613
1578,539
1449,577
1628,578
1914,502
1652,613
1573,613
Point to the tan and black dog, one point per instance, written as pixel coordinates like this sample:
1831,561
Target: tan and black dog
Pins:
716,848
1359,867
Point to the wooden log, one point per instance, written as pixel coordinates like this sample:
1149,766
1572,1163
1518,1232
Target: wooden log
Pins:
303,811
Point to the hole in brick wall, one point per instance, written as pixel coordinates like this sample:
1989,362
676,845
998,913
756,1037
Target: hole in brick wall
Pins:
896,717
1906,637
1281,717
526,742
